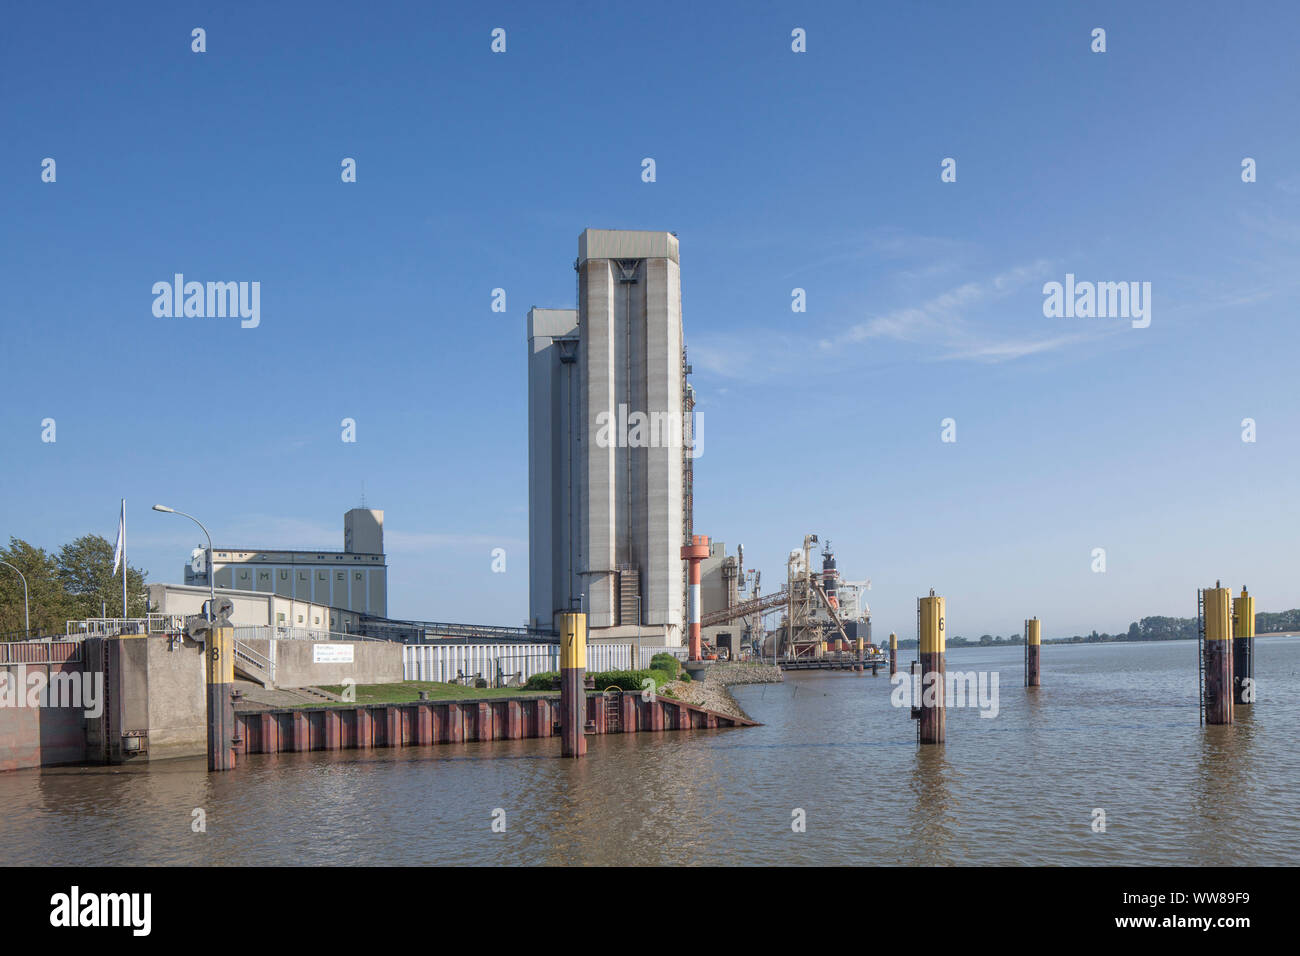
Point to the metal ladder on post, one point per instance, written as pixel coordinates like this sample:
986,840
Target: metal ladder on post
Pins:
613,711
916,665
1200,656
1026,652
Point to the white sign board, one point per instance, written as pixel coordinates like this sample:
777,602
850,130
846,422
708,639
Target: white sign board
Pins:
331,653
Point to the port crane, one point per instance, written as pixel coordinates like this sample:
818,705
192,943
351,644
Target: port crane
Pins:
803,633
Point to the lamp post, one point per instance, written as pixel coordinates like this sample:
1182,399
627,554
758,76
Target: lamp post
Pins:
212,576
27,619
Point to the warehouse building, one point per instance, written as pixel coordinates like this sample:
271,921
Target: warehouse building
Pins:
351,582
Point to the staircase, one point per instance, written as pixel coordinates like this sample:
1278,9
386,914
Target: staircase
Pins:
252,666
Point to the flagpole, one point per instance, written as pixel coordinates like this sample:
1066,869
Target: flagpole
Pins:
124,613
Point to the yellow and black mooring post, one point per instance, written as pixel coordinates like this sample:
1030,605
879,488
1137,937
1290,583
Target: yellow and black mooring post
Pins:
1033,648
930,647
1218,654
1243,649
219,658
893,654
573,681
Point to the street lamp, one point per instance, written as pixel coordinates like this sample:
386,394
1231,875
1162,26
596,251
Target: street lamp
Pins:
212,577
27,620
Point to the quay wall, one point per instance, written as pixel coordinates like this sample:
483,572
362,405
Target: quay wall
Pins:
298,730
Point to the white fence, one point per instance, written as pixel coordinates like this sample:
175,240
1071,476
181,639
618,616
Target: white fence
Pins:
648,652
448,662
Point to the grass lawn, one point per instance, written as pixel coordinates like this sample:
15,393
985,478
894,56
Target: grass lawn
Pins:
408,691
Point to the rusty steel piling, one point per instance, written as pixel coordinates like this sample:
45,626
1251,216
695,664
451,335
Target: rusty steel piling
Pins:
573,692
1243,649
1033,651
1218,690
930,647
219,673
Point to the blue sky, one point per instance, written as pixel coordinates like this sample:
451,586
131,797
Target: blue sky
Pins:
777,170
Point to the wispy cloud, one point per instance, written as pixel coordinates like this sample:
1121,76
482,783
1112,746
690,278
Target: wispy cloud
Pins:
947,321
963,322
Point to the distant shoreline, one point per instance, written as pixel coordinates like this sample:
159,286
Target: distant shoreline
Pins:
910,644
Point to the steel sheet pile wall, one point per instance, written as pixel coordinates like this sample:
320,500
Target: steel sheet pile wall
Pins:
449,722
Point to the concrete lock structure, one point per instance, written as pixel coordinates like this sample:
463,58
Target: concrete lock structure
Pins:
893,654
1218,690
930,646
1243,649
573,677
1033,650
694,553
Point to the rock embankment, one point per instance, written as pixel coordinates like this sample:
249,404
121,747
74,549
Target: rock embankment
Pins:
710,690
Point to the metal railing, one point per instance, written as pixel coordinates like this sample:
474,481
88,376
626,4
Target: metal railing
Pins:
152,623
107,626
279,632
265,664
166,623
420,632
40,652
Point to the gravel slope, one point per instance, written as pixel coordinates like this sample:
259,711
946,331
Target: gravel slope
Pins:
710,691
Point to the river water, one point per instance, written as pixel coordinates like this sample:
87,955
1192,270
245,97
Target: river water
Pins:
1113,728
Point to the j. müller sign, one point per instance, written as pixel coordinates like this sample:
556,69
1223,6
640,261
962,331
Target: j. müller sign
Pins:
331,653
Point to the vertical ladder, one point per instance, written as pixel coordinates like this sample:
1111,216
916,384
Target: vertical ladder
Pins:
613,712
917,665
1200,655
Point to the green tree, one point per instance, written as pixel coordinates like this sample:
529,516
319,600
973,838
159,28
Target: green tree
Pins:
48,603
86,574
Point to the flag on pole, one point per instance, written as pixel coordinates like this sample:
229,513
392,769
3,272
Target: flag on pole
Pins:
121,538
